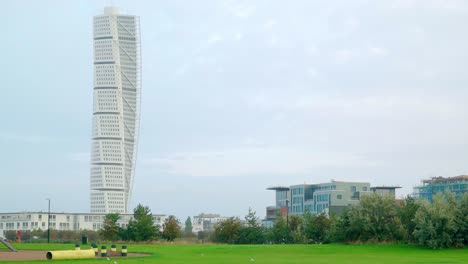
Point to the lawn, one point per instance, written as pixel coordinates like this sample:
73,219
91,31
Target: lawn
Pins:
271,254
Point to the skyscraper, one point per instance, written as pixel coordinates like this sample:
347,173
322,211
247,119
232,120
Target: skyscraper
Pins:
116,110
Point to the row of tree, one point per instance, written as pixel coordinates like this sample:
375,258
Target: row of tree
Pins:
442,223
140,228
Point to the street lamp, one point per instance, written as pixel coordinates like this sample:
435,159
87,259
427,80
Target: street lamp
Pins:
287,220
48,223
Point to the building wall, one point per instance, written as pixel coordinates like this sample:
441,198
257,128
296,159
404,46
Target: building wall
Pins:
457,185
115,111
206,222
325,197
61,221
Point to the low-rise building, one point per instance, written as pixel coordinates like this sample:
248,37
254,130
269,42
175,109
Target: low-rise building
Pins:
430,187
25,221
385,190
328,198
206,222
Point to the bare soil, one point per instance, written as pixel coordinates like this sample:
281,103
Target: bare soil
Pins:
41,255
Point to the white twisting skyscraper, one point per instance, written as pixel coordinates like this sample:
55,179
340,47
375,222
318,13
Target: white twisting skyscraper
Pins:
116,110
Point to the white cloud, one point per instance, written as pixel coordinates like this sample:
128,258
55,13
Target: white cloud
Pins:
343,56
81,157
238,36
359,106
26,138
213,39
237,9
378,51
269,24
445,5
255,160
312,72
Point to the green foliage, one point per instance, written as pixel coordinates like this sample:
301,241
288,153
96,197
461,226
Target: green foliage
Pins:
375,218
10,235
171,228
110,230
317,228
142,227
461,221
253,232
406,212
227,231
188,226
435,223
203,235
251,219
279,233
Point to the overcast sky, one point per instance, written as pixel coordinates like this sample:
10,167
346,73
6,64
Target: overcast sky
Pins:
238,96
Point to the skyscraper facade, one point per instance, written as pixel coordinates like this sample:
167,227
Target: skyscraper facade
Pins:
116,110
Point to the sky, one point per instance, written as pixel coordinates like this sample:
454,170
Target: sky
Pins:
238,96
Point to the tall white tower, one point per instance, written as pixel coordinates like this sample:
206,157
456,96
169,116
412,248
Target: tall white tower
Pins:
116,110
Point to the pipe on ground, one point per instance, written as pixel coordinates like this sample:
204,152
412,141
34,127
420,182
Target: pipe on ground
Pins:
70,254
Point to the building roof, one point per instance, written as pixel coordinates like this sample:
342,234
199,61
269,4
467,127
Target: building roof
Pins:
384,187
278,188
445,180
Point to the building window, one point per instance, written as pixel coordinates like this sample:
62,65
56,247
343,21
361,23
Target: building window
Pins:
353,188
339,196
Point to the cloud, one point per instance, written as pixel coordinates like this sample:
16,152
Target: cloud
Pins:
81,157
269,24
8,136
359,106
343,56
239,9
444,5
254,160
378,51
213,39
238,36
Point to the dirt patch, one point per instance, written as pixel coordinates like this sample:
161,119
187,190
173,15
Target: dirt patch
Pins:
41,255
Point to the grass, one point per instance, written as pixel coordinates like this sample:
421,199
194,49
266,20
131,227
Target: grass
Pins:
271,254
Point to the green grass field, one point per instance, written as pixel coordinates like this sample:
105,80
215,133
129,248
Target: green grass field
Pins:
271,254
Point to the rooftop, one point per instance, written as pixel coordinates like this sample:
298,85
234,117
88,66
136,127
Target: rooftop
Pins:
278,188
445,180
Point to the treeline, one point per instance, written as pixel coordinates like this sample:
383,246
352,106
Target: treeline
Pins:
141,228
440,224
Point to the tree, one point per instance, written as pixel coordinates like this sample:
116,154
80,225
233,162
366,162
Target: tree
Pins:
461,221
252,232
188,226
278,233
375,218
142,227
435,223
295,229
406,212
251,219
171,228
228,231
317,228
110,230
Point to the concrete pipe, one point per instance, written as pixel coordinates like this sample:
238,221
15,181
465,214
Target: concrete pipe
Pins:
71,254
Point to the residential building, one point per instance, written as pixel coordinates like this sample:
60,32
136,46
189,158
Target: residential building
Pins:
430,187
116,110
385,190
25,221
206,222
